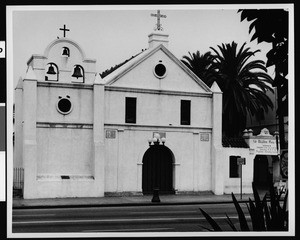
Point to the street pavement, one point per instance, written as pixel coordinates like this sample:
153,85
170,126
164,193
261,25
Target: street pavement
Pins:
183,199
174,213
154,218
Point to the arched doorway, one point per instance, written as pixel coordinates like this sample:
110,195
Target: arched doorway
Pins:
158,170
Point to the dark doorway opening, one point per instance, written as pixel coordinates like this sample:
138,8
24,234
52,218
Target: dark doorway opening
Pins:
158,170
263,172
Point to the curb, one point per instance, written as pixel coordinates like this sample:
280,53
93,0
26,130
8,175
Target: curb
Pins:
122,204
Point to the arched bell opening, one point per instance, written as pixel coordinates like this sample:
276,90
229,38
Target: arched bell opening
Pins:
52,72
78,74
65,52
157,170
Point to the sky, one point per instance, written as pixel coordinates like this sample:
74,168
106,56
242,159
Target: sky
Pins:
113,34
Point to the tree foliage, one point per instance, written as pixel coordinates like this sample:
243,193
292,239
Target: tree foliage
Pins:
243,82
202,65
271,25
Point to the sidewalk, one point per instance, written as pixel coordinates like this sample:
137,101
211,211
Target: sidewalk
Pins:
179,199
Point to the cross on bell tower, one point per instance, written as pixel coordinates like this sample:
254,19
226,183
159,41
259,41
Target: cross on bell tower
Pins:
64,29
158,16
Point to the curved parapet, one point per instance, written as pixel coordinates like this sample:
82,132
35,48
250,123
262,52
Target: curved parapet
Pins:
63,41
63,61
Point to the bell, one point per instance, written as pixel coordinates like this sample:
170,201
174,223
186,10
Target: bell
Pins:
51,70
65,52
77,72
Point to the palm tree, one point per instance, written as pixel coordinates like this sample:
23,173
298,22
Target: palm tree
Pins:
202,65
244,85
271,25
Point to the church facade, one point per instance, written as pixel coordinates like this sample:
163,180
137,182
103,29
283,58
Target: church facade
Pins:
149,124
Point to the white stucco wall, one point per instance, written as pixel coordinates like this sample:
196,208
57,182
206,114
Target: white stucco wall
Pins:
157,112
233,184
63,151
142,76
62,188
157,109
62,148
203,164
124,158
80,97
18,128
53,144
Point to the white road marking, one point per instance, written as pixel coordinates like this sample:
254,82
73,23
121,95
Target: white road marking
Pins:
165,212
129,229
119,220
197,205
34,215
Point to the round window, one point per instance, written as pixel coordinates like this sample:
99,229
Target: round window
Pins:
64,106
160,70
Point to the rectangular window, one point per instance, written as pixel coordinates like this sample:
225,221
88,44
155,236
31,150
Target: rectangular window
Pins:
130,110
234,169
185,112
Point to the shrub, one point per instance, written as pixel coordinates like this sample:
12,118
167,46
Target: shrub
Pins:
264,216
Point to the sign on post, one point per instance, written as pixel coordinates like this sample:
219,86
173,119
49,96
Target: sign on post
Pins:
241,162
263,146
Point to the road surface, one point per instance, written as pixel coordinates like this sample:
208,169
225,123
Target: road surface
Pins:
157,218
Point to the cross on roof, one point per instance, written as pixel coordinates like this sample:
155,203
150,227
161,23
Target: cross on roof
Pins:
64,29
158,16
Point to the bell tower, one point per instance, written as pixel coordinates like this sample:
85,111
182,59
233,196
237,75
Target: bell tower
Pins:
63,61
61,123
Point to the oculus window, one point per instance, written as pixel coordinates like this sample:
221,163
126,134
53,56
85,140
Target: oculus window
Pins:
160,70
130,110
64,105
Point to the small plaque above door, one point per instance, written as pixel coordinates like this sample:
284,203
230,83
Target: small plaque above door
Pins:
161,134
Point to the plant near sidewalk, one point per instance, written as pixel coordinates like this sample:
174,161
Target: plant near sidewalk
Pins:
264,216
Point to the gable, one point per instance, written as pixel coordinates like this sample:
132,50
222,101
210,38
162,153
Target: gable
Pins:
140,73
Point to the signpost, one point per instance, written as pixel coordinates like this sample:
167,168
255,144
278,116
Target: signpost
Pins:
241,162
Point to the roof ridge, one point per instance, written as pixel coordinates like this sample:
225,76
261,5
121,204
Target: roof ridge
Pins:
112,69
236,142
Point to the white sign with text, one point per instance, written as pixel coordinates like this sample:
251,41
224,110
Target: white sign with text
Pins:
263,146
